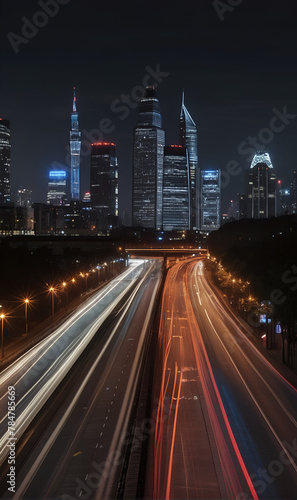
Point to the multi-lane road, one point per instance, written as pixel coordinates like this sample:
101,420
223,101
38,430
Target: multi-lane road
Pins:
226,424
81,450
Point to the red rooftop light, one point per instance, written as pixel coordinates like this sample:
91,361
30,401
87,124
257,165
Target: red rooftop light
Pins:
103,144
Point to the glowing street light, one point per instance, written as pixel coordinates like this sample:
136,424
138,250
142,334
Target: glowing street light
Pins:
52,291
2,316
26,302
64,285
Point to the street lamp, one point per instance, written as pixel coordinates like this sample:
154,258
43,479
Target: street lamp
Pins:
26,302
98,273
52,291
2,316
64,285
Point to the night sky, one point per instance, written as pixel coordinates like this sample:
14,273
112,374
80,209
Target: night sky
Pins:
235,72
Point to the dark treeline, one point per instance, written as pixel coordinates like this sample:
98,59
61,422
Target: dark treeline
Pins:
264,252
27,272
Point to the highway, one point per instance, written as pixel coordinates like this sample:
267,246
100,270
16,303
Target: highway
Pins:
105,378
226,422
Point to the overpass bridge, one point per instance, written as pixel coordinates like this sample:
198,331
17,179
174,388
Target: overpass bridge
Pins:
161,252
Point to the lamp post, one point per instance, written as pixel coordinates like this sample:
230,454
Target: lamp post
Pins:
52,291
64,285
98,274
26,302
2,316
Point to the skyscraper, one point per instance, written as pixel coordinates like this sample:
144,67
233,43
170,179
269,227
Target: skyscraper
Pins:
210,200
105,184
284,201
188,139
294,193
261,188
24,197
56,190
148,154
75,147
5,147
176,189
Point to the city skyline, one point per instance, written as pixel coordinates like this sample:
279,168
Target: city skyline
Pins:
187,127
231,89
148,234
155,179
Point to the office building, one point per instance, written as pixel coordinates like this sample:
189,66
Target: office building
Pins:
24,197
105,184
75,148
176,189
233,210
148,155
56,188
210,200
189,140
24,220
284,201
5,151
294,193
261,188
242,213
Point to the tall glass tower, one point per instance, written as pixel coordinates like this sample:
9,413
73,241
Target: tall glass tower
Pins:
75,146
5,147
210,200
188,139
176,189
148,154
261,188
56,187
105,184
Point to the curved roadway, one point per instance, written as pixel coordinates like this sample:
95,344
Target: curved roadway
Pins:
226,418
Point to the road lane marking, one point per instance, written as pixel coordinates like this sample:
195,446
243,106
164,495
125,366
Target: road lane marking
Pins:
247,342
255,401
72,353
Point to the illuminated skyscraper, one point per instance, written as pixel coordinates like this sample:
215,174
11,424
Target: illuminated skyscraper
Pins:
188,139
261,188
148,154
24,197
210,200
284,201
105,184
5,147
75,147
176,189
56,190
